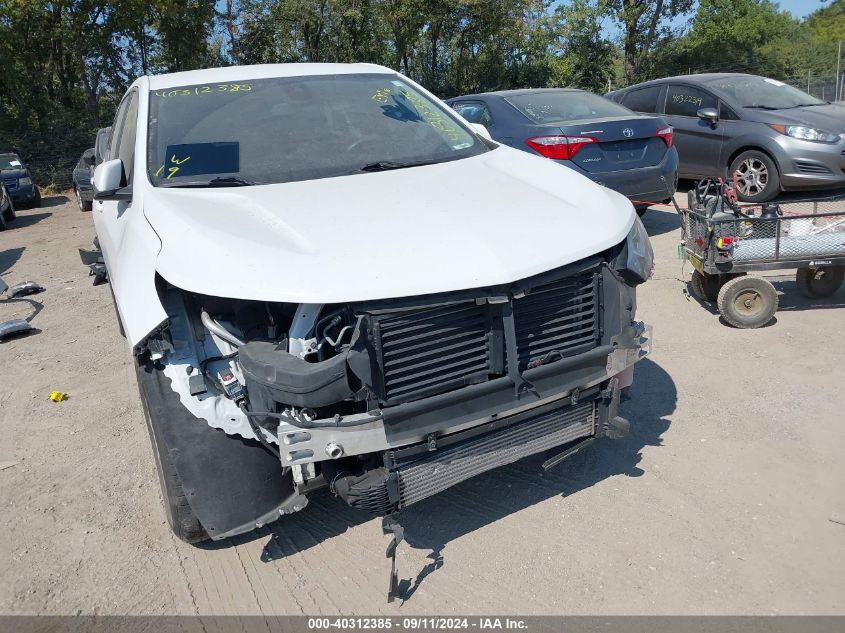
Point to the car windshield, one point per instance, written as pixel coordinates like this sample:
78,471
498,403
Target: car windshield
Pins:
10,161
297,128
565,105
761,92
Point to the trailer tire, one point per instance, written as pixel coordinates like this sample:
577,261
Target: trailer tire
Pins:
747,302
705,287
819,282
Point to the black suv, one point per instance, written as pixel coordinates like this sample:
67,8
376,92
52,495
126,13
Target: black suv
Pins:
18,181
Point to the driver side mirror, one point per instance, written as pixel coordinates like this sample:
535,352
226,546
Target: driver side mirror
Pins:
708,114
481,130
107,181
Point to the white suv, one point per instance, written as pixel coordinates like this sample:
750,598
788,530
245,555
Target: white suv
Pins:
328,278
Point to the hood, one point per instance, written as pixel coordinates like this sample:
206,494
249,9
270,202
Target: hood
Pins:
830,117
491,219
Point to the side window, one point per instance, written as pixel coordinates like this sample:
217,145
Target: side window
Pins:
687,101
642,99
126,137
726,114
474,112
111,151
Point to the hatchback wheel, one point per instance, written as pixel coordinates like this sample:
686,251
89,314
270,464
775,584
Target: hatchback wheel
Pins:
757,178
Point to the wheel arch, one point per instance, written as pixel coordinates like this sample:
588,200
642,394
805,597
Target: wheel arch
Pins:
747,147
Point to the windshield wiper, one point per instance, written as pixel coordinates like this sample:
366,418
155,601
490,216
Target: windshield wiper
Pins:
808,105
761,107
387,165
220,181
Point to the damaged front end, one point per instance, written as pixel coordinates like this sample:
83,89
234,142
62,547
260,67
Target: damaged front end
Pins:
390,402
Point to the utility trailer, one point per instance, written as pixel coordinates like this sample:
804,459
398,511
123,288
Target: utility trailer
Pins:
725,240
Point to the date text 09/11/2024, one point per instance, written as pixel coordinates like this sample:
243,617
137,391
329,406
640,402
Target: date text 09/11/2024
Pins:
417,623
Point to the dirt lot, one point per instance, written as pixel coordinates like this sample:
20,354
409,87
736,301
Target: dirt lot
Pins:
719,502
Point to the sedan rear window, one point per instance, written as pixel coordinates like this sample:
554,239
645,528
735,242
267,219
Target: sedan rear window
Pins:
565,105
298,128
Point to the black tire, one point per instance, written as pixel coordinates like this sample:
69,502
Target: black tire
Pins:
641,209
747,302
705,287
84,205
180,516
820,282
9,214
2,222
37,202
758,178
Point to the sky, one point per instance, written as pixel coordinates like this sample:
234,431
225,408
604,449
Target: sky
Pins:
801,8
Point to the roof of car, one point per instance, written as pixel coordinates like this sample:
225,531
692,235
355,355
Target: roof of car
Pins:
516,93
700,78
233,74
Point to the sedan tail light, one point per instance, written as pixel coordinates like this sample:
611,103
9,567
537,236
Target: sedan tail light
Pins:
559,147
666,134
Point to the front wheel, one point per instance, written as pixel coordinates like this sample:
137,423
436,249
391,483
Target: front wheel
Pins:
747,302
181,518
757,177
821,282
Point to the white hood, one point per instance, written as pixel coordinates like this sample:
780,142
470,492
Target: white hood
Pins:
491,219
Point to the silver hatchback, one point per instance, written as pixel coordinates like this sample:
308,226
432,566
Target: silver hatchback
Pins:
772,136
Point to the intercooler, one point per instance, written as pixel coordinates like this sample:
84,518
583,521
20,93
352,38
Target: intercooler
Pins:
416,473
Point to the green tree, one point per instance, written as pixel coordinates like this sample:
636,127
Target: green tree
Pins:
645,25
582,55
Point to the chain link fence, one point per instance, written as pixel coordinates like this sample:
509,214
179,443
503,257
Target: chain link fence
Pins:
826,88
54,171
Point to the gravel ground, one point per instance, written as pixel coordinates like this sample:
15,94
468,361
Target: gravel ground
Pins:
719,501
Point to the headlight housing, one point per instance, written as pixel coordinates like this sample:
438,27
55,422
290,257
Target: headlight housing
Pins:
635,262
805,133
26,181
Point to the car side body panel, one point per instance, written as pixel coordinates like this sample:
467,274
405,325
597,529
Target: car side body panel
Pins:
130,247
